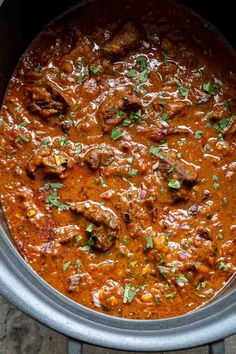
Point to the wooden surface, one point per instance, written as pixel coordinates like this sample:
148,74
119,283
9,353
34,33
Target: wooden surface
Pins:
20,334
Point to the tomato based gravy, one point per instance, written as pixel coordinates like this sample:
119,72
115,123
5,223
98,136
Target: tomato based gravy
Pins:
118,159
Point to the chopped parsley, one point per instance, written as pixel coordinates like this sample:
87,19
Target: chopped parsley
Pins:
154,150
94,69
66,265
116,134
220,236
85,248
198,134
63,141
182,141
119,113
133,172
171,295
165,117
149,241
182,279
211,88
131,73
222,124
142,61
184,91
52,201
82,76
129,293
77,149
206,147
201,285
103,182
222,266
216,184
90,228
23,138
51,185
174,184
38,69
143,76
227,104
24,123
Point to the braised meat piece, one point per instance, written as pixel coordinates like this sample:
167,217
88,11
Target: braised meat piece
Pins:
53,162
106,224
96,157
64,234
184,173
158,133
46,101
116,107
34,215
186,176
123,41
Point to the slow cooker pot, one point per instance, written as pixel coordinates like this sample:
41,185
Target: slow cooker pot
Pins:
20,21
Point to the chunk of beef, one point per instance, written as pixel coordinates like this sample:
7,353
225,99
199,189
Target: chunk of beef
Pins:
170,167
202,232
52,161
156,134
106,222
168,48
76,280
46,100
64,234
35,216
116,107
218,112
176,109
185,174
126,39
137,211
96,157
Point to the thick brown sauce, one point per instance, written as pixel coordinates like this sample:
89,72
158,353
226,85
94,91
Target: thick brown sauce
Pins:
117,158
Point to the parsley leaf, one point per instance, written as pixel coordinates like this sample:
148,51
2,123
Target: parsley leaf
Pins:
52,201
211,88
94,69
182,279
129,293
131,73
66,265
198,134
174,184
154,150
149,240
116,134
133,172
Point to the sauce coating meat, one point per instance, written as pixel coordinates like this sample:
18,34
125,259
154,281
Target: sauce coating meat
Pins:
117,158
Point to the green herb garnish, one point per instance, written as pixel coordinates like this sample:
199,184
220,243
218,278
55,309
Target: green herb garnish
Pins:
129,293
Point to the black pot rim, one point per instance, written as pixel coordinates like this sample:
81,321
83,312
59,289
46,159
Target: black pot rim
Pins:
21,286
